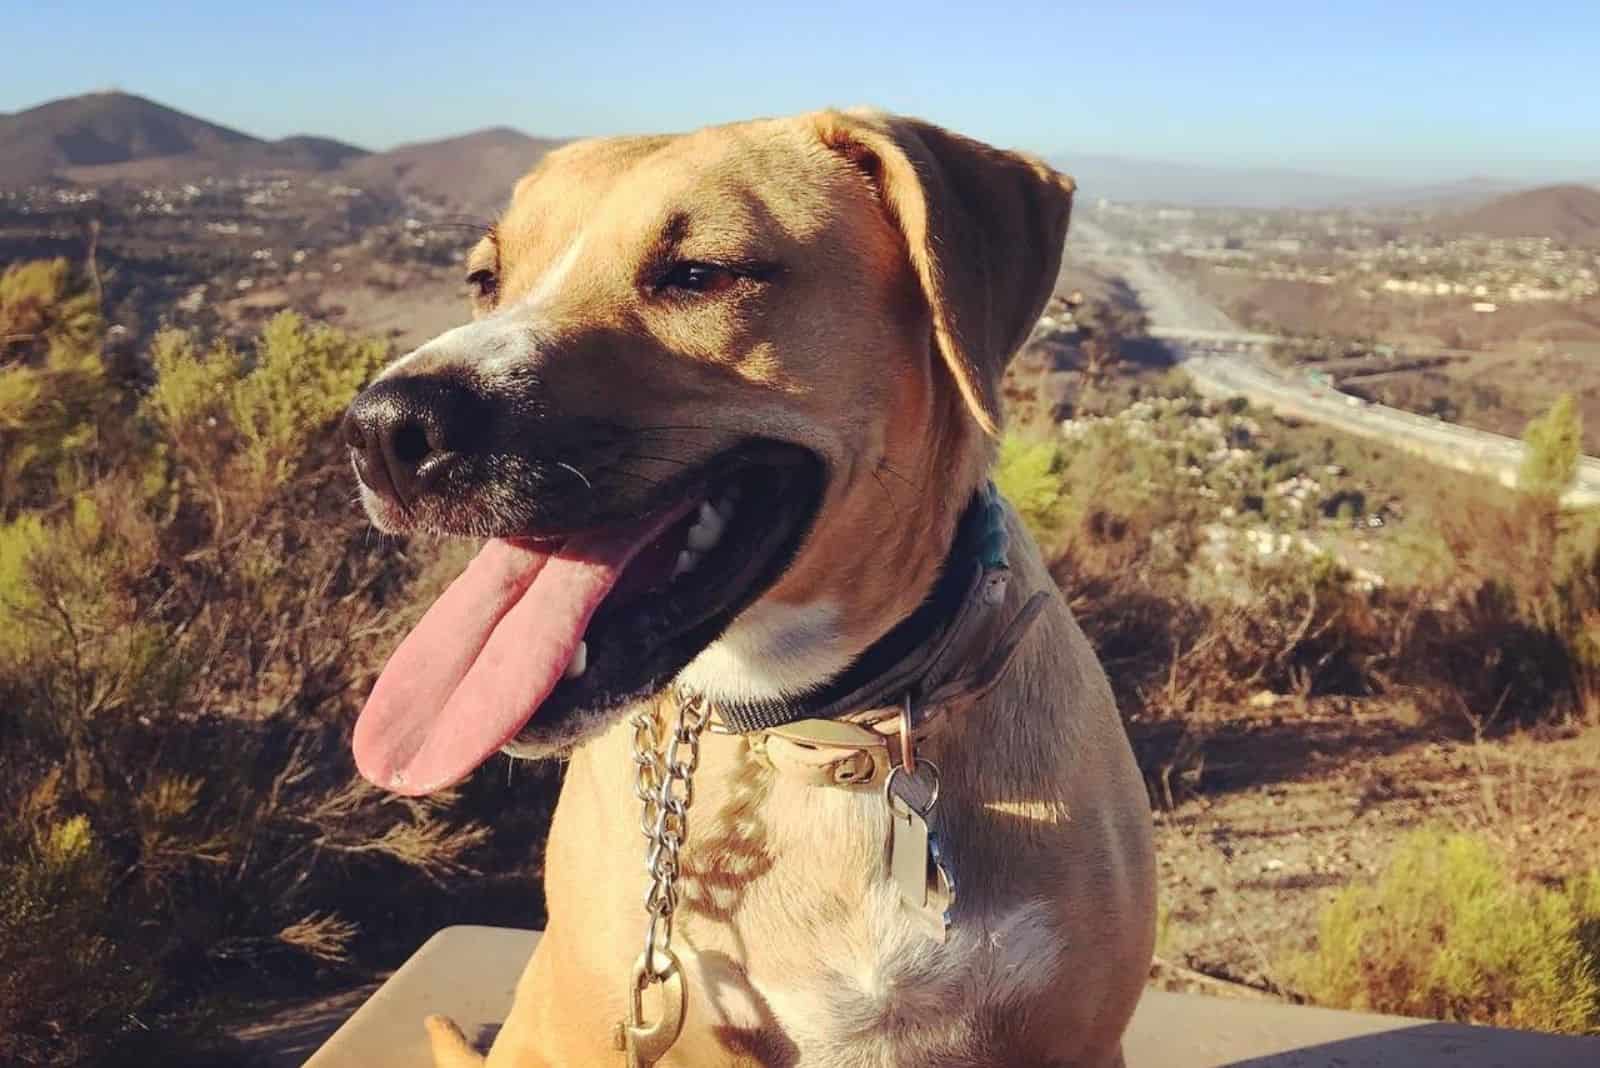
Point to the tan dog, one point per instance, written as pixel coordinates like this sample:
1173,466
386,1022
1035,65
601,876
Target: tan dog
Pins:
724,402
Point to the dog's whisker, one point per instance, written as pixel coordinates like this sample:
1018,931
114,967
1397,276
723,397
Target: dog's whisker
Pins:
884,465
623,471
459,222
581,476
892,502
659,459
669,427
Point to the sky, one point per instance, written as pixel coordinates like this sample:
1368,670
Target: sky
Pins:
1416,90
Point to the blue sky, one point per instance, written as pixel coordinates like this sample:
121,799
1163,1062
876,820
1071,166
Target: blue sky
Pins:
1409,89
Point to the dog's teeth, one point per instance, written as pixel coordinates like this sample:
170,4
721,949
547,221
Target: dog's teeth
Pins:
579,662
686,563
707,530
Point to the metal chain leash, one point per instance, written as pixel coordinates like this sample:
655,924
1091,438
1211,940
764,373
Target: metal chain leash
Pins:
664,784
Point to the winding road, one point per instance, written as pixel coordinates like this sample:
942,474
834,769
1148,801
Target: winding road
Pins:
1192,328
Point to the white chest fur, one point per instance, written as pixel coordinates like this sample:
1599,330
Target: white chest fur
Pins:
841,969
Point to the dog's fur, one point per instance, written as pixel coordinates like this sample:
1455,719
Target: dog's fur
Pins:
907,265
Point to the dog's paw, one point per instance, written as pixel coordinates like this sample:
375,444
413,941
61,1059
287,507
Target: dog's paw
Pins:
450,1047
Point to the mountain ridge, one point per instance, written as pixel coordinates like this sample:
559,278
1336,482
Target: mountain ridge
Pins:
99,136
112,137
1567,213
474,171
109,137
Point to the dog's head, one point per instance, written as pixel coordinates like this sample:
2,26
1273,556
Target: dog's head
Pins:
723,399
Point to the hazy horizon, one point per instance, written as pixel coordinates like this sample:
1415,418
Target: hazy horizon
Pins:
1433,93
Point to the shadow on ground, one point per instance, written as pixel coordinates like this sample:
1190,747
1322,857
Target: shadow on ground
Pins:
1436,1045
288,1039
1240,755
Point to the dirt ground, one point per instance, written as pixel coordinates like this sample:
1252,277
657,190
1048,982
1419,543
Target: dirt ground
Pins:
428,304
1290,803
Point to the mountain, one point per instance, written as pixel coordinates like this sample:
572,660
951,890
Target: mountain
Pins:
100,138
1125,178
1459,195
1567,214
103,128
474,172
306,152
1197,185
111,136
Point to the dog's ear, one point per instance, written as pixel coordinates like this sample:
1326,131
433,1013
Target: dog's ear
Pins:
983,229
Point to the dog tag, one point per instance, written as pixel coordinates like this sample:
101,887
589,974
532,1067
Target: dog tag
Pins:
916,862
908,853
941,896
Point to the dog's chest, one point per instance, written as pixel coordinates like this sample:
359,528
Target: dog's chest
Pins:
896,998
839,974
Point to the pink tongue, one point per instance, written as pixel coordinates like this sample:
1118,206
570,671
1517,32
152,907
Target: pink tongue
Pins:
485,656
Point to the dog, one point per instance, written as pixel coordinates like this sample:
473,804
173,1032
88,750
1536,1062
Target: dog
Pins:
722,413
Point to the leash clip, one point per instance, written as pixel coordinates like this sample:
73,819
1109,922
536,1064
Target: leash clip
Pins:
647,1043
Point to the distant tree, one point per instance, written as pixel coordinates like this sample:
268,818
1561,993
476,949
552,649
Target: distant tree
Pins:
1105,326
1554,442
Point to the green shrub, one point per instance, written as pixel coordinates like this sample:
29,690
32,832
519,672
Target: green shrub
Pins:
1027,473
62,965
187,622
1554,443
1446,933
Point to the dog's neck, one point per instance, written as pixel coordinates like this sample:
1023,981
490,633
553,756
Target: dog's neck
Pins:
927,648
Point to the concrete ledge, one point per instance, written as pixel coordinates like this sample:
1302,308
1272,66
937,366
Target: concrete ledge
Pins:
470,974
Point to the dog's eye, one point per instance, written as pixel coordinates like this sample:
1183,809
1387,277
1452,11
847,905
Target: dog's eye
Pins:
485,285
693,276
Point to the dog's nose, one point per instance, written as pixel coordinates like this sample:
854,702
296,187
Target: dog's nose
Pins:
403,431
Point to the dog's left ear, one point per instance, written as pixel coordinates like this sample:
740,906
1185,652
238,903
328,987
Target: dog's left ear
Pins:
983,229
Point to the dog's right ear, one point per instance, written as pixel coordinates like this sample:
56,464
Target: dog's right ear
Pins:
983,229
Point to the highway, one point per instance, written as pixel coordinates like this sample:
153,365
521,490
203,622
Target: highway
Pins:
1195,330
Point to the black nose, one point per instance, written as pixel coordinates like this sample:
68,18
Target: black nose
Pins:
402,432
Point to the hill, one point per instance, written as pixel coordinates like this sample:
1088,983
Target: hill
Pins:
113,136
101,138
1153,181
1164,182
1455,196
1567,214
473,172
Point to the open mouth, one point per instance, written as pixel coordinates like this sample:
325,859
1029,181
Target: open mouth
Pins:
538,637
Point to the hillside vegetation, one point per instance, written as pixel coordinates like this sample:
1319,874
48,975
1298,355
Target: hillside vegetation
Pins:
1192,538
1204,548
189,608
